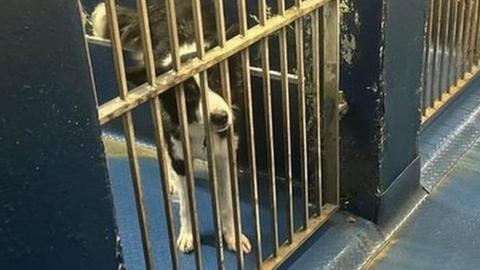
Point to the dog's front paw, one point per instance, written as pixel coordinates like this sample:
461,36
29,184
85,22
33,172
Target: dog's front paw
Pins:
245,245
185,241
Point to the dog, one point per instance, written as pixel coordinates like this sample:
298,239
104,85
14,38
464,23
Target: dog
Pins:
222,116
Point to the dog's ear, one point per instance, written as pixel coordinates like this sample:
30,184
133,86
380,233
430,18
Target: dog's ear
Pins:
137,75
232,31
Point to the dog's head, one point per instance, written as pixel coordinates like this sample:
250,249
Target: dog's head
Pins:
220,113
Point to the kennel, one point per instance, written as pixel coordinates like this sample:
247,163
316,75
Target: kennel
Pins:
283,94
452,52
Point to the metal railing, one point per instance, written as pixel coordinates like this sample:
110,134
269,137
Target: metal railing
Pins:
325,44
452,51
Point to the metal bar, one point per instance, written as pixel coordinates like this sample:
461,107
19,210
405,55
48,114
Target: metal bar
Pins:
200,43
116,107
158,127
189,174
453,54
473,36
274,75
265,59
302,116
138,190
466,37
330,71
435,92
454,91
317,110
477,40
185,134
444,86
299,238
163,158
129,132
146,41
427,68
286,133
461,17
117,49
225,81
245,59
287,140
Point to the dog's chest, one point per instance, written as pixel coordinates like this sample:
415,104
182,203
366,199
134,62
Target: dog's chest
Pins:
197,140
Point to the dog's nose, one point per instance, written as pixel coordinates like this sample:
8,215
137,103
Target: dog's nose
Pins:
219,118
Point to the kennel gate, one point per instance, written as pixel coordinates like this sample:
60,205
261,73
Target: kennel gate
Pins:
325,57
452,51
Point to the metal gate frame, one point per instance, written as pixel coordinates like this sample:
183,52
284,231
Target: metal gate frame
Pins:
325,39
452,49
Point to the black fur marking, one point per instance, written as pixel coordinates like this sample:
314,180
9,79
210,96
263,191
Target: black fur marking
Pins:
179,166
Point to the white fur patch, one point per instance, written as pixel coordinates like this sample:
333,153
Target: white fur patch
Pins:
216,103
184,49
99,20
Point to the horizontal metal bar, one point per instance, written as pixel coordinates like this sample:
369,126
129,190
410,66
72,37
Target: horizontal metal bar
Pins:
299,238
116,107
274,75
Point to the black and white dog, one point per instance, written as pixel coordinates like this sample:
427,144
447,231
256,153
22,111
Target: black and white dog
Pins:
221,115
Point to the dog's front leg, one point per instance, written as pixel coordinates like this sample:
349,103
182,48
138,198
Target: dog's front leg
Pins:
185,237
225,190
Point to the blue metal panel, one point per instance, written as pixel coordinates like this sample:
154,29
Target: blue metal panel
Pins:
402,73
55,200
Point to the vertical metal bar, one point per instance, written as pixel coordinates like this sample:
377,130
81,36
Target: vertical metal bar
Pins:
453,53
185,134
459,51
138,189
477,37
225,81
117,48
245,59
264,47
428,67
477,42
466,38
286,130
129,132
435,92
189,175
146,41
302,115
317,109
197,16
330,71
158,127
162,160
445,53
473,36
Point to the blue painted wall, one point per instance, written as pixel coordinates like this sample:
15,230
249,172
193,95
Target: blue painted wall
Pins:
402,80
360,130
55,200
381,77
